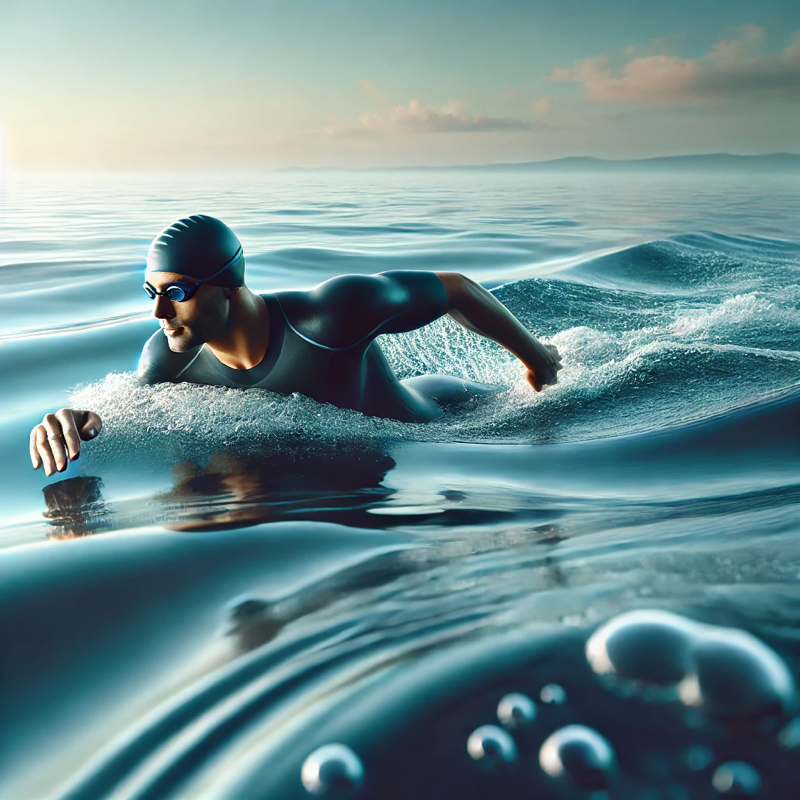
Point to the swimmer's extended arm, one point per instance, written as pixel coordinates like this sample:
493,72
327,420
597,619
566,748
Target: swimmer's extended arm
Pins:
352,309
57,440
481,312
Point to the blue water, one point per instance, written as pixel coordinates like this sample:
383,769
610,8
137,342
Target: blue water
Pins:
227,580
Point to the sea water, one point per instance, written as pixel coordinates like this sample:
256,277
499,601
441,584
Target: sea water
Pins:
240,594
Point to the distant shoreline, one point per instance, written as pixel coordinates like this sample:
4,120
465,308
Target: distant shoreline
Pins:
714,162
720,163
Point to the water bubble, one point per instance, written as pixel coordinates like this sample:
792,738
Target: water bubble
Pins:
253,622
245,608
580,755
650,646
735,675
727,673
737,779
789,737
516,710
491,746
332,770
698,757
553,694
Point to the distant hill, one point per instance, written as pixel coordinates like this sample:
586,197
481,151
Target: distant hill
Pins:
714,162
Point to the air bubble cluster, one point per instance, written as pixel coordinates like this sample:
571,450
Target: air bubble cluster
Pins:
727,673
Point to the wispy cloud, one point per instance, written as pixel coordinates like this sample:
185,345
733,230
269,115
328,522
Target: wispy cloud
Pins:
733,67
369,87
418,118
542,106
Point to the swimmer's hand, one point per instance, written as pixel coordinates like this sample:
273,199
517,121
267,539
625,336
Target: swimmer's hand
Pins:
58,438
479,311
544,372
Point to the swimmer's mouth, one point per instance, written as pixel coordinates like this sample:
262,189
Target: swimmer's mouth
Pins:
172,331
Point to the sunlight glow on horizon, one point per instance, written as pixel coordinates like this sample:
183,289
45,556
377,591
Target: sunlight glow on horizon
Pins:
308,85
5,166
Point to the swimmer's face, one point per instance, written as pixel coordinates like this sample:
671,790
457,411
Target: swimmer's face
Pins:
203,318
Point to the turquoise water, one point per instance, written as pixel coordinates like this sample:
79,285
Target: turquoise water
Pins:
227,580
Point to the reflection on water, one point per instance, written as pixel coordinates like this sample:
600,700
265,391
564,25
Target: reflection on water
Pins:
327,484
324,483
75,507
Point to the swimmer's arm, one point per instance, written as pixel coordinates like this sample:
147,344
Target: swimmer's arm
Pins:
351,310
57,439
478,310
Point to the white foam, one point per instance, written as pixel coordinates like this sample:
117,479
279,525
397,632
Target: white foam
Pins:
753,309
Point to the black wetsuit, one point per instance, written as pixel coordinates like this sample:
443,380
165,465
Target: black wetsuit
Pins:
321,344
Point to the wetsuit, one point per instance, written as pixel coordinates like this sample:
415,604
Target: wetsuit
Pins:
321,344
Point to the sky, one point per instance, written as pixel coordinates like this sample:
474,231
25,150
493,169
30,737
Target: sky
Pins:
194,84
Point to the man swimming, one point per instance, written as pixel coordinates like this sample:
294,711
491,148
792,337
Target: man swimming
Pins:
320,343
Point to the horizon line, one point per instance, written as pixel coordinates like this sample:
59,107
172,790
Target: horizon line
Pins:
10,170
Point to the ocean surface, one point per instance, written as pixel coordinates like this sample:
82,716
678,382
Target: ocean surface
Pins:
591,592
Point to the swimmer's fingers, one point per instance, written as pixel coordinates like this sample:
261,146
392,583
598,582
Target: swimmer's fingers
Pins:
69,421
91,425
77,425
57,439
543,375
36,459
555,364
54,434
556,356
533,380
41,454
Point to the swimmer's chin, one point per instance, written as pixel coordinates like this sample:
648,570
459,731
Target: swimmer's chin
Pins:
179,339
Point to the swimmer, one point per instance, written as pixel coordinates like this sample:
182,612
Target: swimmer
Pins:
320,342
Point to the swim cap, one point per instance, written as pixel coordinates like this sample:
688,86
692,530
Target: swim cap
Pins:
199,247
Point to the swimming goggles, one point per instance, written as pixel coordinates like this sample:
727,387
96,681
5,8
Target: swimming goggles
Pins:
181,291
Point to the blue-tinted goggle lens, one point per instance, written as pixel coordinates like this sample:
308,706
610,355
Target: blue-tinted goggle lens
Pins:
177,292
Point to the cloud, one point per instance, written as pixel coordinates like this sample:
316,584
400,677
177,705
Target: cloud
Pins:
418,118
542,106
735,66
369,87
655,47
743,44
654,78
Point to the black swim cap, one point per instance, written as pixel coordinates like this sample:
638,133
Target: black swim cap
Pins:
199,247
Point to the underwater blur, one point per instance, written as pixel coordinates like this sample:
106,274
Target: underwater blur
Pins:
591,592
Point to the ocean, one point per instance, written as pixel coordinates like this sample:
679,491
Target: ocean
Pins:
589,592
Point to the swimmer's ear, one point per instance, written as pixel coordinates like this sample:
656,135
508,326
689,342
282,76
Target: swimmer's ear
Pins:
228,292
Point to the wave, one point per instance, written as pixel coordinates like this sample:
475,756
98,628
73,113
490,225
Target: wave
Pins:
307,265
688,263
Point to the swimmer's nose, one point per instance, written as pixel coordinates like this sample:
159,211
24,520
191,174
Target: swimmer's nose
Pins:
163,308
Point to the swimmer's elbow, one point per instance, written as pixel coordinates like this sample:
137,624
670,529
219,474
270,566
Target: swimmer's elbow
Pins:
459,289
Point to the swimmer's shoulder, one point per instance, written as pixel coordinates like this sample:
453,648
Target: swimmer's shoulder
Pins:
159,364
352,309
